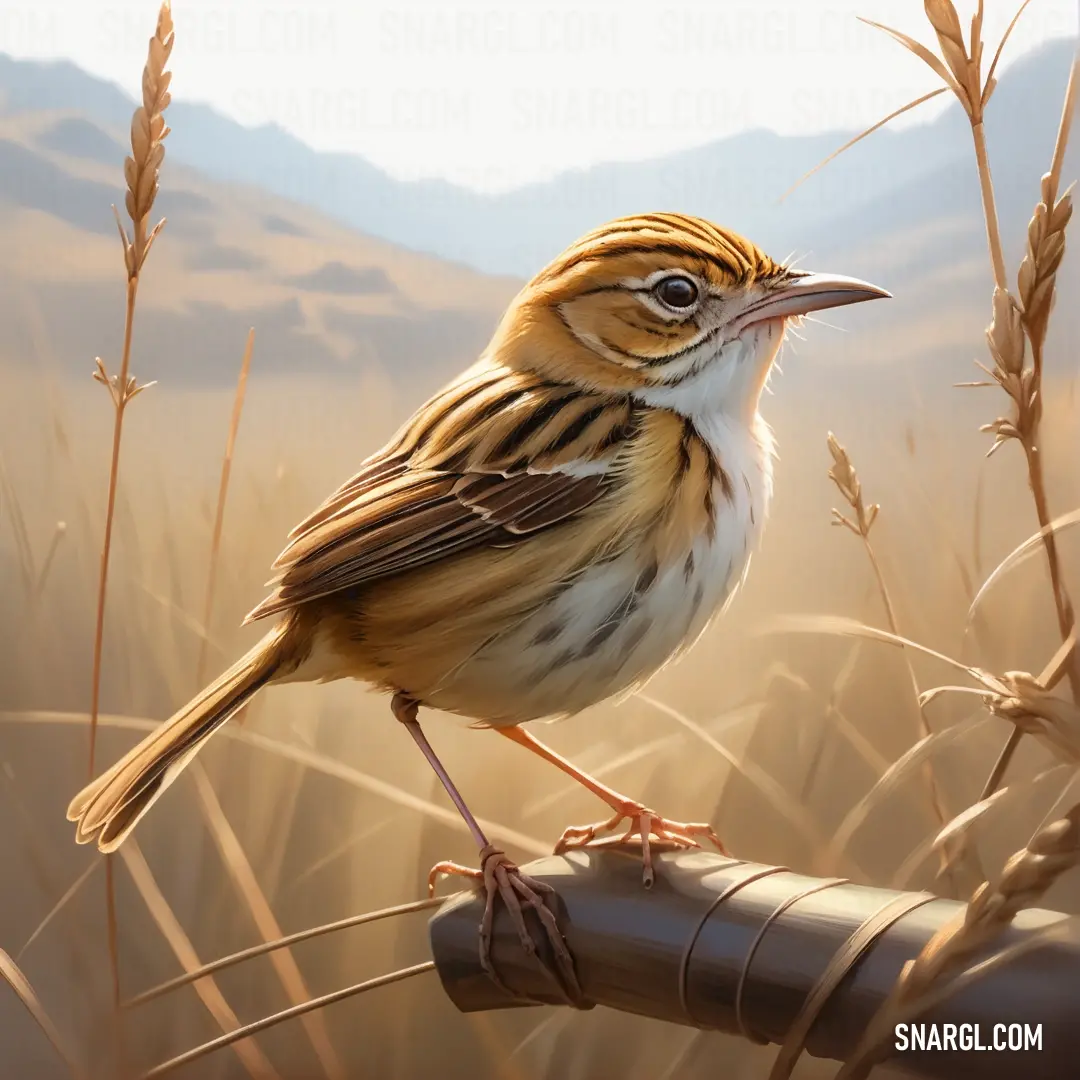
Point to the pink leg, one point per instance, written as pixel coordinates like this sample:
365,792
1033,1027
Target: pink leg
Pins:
497,874
642,822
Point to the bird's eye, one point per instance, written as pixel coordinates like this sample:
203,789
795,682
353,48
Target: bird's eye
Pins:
677,292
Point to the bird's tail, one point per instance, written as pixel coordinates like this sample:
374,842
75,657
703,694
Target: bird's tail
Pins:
108,808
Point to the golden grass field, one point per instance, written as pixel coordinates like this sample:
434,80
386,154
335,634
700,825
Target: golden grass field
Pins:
317,807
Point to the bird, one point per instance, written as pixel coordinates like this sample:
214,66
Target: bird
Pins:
546,532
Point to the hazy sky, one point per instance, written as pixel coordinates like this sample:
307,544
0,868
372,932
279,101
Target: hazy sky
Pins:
497,93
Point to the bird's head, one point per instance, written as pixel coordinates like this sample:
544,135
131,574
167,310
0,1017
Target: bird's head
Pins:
667,307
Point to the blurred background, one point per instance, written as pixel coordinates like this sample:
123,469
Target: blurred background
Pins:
367,186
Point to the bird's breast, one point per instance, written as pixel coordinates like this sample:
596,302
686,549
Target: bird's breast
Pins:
692,507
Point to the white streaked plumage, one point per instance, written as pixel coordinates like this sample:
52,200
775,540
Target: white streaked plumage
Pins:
561,677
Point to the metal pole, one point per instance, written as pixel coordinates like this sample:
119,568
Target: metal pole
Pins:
678,952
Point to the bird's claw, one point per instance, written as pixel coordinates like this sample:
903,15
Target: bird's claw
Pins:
501,877
643,823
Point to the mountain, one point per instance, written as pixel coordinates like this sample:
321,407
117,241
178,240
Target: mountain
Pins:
343,269
323,298
736,181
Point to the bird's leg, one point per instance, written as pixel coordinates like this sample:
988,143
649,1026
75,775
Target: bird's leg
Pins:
643,822
496,873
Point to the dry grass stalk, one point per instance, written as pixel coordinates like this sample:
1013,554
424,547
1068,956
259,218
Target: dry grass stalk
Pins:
960,68
1037,279
50,554
914,758
24,825
232,852
323,764
282,943
148,133
34,577
966,821
23,547
1021,554
862,135
357,840
1016,322
13,976
1023,699
223,492
499,1052
51,914
1019,697
249,1053
780,800
844,475
1062,930
1025,878
247,884
141,173
780,678
287,1014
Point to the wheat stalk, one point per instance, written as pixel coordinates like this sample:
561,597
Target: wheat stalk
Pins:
141,174
1025,879
846,478
148,132
960,68
1015,322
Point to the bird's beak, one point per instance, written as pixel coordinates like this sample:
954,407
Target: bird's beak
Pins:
809,292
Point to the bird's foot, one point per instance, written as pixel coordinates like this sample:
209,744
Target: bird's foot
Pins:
643,823
501,877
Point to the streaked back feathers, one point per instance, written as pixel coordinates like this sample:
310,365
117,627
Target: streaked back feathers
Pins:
534,432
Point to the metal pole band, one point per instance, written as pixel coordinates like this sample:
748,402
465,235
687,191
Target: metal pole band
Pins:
824,953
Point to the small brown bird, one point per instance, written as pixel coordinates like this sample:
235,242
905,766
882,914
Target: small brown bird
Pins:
546,532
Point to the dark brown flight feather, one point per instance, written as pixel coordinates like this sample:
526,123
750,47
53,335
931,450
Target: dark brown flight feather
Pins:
472,471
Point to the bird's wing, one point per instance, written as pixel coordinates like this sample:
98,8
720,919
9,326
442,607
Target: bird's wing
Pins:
495,458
